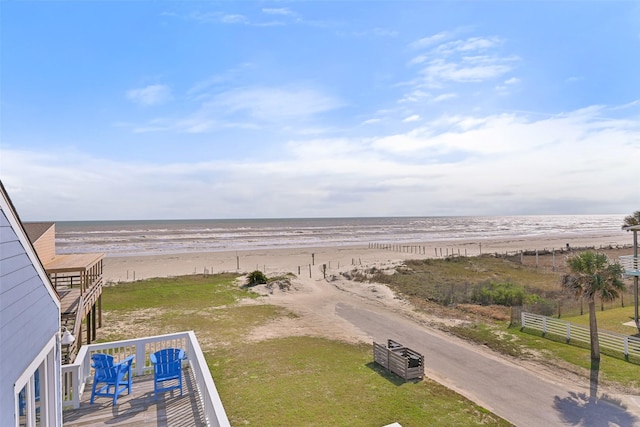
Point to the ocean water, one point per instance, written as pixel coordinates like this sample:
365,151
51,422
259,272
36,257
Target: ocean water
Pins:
151,237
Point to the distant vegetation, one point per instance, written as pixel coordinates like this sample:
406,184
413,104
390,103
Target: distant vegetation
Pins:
486,280
256,278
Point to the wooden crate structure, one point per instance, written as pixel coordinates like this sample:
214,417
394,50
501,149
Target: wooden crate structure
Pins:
400,360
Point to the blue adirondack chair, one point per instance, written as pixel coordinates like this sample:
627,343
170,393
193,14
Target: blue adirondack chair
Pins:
167,366
108,374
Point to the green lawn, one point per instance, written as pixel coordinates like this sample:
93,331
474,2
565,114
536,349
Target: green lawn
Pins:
611,320
293,381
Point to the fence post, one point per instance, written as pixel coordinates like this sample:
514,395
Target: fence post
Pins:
626,347
544,325
568,331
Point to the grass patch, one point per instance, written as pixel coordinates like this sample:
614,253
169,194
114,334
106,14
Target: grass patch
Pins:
184,292
290,381
613,370
491,335
314,381
610,320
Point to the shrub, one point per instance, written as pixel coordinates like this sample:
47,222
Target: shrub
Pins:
507,293
256,278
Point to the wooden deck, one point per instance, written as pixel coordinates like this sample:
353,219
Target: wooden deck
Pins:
140,408
69,300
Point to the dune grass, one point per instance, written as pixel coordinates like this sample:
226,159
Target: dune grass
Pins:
293,381
427,280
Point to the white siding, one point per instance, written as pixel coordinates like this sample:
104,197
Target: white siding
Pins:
29,311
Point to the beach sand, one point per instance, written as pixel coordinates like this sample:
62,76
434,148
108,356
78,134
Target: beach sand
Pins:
308,262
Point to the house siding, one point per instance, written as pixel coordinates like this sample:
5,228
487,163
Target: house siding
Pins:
29,315
45,246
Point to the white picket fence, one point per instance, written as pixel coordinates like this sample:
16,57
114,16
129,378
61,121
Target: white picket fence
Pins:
628,345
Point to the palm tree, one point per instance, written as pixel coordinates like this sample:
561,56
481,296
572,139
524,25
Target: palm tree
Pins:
631,220
592,276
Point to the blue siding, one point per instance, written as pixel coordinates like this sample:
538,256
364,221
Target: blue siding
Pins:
29,316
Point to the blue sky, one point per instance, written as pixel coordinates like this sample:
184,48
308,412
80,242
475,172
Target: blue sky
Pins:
250,109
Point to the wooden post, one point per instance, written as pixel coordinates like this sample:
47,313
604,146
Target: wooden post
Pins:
313,259
324,271
93,323
89,328
100,311
309,270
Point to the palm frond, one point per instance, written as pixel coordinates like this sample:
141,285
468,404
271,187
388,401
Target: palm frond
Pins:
631,220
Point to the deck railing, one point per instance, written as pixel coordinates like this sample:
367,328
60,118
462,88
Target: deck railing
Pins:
76,375
631,265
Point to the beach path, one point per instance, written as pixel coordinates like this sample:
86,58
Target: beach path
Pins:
524,393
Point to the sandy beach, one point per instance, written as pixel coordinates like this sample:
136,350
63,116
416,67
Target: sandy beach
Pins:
309,262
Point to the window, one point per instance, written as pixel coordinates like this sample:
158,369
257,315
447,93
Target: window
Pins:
29,413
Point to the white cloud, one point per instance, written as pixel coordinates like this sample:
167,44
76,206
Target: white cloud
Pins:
430,40
444,97
507,160
445,65
274,103
278,11
150,95
468,70
248,108
468,45
412,118
234,19
418,59
415,96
